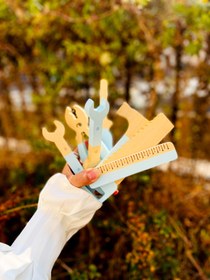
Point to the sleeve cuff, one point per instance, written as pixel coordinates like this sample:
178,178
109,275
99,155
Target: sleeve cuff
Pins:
58,194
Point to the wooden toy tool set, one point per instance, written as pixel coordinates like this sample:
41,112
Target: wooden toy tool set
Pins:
137,150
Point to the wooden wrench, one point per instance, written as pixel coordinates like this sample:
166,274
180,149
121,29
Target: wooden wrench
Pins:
57,137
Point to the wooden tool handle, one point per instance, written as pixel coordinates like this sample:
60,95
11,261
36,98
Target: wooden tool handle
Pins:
93,156
103,92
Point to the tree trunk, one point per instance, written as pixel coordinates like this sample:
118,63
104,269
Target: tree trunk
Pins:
7,122
178,68
128,80
153,98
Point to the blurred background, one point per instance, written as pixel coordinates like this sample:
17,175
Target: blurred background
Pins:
156,56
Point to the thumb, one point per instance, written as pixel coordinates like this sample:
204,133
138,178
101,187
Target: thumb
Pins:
86,177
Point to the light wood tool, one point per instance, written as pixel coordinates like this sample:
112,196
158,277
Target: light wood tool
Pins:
57,137
148,135
77,119
136,122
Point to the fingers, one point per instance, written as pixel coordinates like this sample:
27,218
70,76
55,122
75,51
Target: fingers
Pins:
86,177
67,171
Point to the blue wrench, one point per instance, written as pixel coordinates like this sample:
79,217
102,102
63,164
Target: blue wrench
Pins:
97,117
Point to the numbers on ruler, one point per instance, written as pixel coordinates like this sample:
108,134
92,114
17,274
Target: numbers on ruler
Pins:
142,155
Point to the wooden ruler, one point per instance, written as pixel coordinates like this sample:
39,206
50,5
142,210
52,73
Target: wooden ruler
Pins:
134,163
150,135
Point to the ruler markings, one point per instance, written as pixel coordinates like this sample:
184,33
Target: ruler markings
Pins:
130,159
136,167
133,158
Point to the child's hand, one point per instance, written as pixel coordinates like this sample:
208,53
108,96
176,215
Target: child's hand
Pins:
86,177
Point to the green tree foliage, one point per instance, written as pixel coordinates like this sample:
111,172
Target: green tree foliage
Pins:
53,53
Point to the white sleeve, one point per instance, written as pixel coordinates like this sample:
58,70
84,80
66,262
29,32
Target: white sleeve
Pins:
62,210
